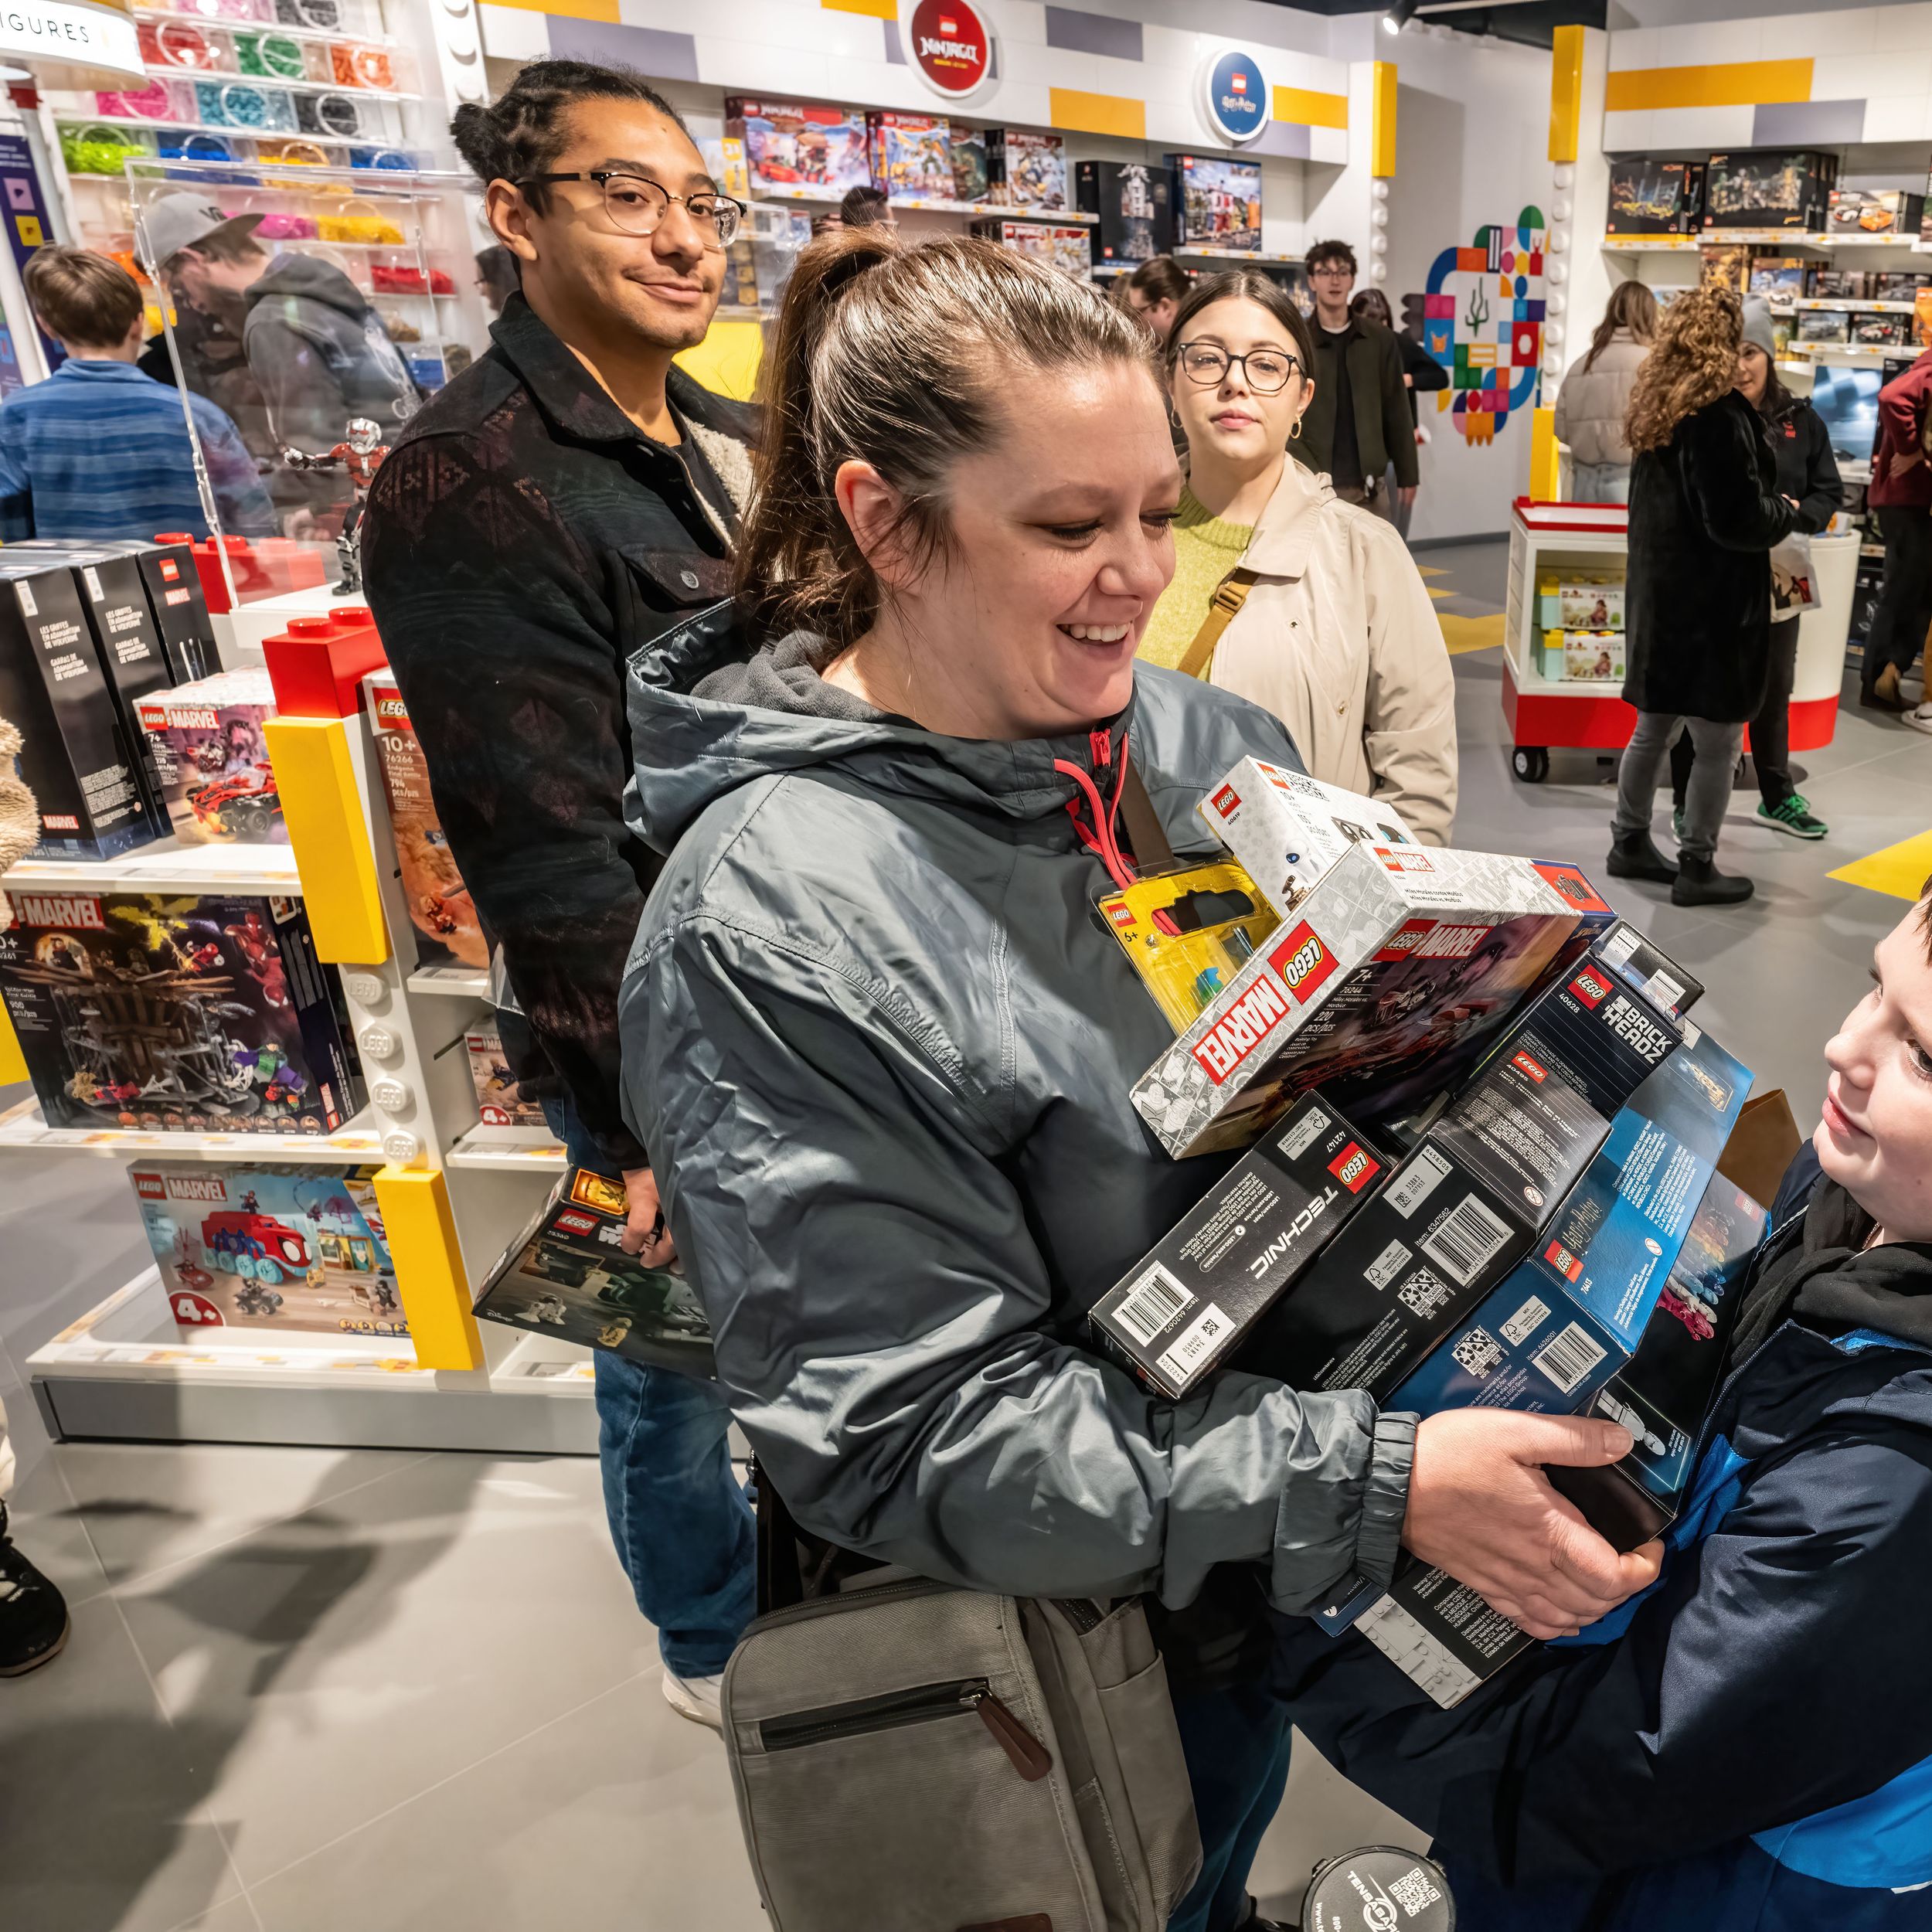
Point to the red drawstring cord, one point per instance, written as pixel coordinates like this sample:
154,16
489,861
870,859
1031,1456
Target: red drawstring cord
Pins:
1104,841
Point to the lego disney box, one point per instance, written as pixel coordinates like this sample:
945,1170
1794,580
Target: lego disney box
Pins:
176,1013
274,1247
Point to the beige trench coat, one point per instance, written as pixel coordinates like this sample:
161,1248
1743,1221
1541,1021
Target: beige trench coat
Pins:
1339,639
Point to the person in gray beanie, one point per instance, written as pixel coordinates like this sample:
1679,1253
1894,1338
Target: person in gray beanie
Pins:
1807,476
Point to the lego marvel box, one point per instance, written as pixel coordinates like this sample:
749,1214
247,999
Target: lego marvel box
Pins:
1396,955
77,759
447,932
272,1247
209,757
912,156
1134,203
1026,170
1217,201
569,1276
1188,1301
1288,828
176,1014
789,146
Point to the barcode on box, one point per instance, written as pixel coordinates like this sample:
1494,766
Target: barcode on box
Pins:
1151,1304
1313,1125
1416,1182
1466,1240
1567,1357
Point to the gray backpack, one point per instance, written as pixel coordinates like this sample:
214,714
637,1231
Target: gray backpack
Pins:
909,1756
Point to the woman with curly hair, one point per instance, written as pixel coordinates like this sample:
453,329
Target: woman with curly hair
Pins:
1704,513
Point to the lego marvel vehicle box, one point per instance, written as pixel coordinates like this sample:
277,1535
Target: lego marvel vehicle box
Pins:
209,758
272,1247
1187,1301
1396,955
569,1276
1288,828
446,929
176,1014
1134,202
77,759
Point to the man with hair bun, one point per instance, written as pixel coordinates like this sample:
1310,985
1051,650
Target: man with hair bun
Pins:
561,502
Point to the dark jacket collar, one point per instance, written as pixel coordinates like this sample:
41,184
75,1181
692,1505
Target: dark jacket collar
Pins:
575,404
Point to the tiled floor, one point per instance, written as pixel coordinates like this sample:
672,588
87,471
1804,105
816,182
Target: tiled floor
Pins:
309,1690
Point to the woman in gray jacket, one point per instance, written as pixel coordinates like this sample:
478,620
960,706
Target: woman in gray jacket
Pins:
880,1044
1590,404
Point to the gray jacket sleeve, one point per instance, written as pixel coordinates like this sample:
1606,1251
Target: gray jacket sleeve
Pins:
880,1309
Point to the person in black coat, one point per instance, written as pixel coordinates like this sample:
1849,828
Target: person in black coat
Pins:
1808,476
1704,512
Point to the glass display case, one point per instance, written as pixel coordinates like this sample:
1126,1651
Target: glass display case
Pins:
317,308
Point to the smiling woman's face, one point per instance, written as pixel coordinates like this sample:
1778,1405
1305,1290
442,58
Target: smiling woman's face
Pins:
1244,426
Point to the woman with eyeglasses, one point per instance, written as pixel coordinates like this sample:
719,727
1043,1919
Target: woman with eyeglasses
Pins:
1310,607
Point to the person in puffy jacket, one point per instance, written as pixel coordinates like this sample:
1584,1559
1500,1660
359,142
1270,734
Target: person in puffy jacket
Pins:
1595,395
1747,1746
880,1045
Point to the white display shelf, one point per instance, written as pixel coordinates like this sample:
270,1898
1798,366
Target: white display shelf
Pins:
162,70
23,1131
325,35
459,982
164,866
1844,305
509,1150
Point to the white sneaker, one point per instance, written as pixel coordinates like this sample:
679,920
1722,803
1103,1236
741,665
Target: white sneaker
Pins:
696,1698
1919,719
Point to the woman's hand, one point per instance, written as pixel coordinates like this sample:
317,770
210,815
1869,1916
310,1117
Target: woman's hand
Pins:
1481,1508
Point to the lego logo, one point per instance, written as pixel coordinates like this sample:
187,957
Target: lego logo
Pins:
1523,1063
1591,987
149,1187
1227,801
1303,961
1353,1169
574,1224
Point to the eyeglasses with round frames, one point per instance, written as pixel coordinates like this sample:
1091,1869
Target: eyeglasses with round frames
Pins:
1266,371
636,204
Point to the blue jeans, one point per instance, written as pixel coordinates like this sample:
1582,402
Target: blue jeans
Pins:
684,1531
1236,1744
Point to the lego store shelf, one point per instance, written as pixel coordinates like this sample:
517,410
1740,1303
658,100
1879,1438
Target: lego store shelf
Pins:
23,1130
509,1150
167,865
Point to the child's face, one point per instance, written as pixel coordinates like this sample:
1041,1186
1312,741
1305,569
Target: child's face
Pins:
1876,1137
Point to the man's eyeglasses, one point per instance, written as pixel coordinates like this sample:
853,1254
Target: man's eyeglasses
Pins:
636,204
1266,371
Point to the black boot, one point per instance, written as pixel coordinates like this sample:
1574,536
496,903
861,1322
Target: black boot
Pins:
33,1614
1700,883
1634,854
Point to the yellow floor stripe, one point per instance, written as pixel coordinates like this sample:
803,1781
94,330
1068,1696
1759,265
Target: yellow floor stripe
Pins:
1470,633
1900,870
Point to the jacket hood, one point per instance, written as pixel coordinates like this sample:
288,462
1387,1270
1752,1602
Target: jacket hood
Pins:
308,280
710,713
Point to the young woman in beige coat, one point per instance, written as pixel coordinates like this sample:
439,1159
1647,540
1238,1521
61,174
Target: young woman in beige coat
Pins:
1334,634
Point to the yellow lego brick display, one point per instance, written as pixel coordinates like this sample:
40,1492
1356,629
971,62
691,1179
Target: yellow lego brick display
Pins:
421,1232
329,836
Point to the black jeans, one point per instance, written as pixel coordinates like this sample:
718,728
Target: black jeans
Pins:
1771,729
1905,602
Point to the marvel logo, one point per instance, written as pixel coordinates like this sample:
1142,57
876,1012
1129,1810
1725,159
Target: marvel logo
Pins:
1240,1029
572,1222
1353,1169
1226,801
1523,1064
149,1187
69,914
1591,987
1303,961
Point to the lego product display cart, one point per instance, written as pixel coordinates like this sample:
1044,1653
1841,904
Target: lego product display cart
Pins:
1588,541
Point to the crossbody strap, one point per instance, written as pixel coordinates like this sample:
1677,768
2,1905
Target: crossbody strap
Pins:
1229,595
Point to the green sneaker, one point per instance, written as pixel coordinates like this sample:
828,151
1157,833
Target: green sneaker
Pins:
1792,815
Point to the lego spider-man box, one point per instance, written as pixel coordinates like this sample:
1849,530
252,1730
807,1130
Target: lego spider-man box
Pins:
274,1247
189,1013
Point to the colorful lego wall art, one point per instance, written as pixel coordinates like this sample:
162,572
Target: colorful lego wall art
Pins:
1483,322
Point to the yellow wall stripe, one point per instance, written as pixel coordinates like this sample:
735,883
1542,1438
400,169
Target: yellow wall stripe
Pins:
1307,108
1739,84
873,10
329,836
1545,476
1565,92
1085,114
13,1063
1381,133
421,1234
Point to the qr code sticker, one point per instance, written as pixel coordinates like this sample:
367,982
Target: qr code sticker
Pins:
1423,1292
1414,1893
1478,1353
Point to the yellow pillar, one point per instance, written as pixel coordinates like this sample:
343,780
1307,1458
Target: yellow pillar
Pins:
1382,143
421,1232
1565,92
329,835
1546,473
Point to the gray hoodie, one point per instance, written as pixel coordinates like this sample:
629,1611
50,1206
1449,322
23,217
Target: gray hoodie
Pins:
880,1043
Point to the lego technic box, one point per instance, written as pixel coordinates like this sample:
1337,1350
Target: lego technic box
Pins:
568,1276
447,929
271,1247
1217,202
1397,955
209,758
1242,1245
188,1014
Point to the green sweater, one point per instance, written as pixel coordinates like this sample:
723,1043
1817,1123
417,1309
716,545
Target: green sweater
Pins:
1205,550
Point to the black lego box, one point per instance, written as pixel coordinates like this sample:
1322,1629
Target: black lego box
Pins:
1465,1205
76,759
567,1275
1662,1394
1649,196
1187,1301
176,1014
1136,205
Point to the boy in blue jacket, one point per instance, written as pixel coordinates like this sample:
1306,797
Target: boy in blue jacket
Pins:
1746,1746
